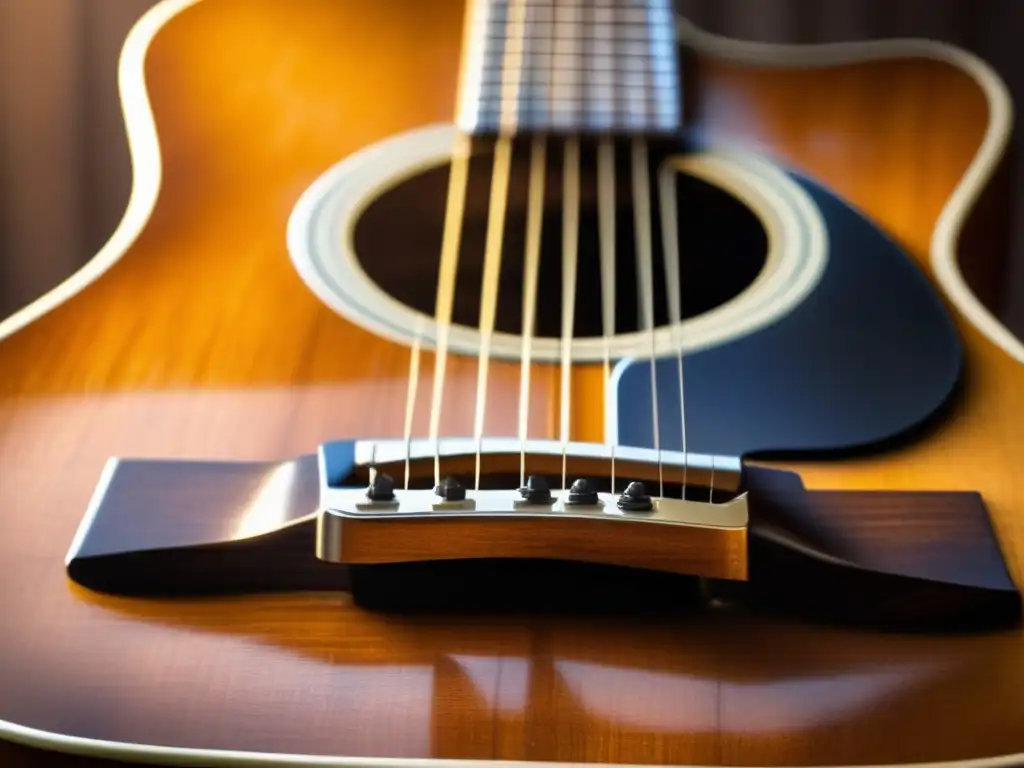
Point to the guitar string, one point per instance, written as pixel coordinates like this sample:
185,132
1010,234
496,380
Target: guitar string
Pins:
670,244
512,66
450,243
531,270
570,244
446,270
373,463
645,269
410,396
670,251
489,288
448,267
565,95
606,220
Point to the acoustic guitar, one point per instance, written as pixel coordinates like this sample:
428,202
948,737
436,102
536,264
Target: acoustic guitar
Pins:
544,381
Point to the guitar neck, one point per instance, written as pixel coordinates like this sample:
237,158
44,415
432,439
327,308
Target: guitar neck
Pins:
570,66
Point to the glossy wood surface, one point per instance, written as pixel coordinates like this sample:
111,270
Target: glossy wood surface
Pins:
202,342
180,528
719,553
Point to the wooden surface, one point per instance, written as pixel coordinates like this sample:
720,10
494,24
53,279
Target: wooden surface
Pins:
178,528
719,553
203,343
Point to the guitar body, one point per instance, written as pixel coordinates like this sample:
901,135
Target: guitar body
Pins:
193,335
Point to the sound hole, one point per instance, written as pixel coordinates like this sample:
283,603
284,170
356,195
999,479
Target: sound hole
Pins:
398,243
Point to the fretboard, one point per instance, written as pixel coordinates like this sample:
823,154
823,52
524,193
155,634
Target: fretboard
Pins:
570,66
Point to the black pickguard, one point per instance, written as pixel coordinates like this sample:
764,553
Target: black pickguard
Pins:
871,355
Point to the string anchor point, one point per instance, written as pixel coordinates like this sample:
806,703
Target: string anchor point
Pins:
635,498
536,490
449,489
583,491
382,488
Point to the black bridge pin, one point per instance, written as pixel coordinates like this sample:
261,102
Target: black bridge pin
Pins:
635,498
583,491
382,488
449,489
536,490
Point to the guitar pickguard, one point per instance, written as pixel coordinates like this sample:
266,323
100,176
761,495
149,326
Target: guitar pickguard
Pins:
869,357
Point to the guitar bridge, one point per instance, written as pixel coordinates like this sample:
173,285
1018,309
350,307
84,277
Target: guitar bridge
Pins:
675,535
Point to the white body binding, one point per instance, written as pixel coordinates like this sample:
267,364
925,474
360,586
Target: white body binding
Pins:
794,263
146,164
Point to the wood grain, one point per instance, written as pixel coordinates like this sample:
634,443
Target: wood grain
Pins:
202,342
178,529
718,553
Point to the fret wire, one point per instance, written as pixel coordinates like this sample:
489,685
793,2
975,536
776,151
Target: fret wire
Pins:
626,62
494,30
640,40
615,60
623,59
568,104
591,63
543,110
